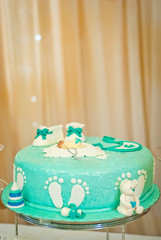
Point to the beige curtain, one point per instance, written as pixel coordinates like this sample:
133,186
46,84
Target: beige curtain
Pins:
92,61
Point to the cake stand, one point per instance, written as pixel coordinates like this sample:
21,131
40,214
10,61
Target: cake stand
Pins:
83,226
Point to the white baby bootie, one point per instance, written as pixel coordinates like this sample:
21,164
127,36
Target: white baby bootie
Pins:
74,130
47,136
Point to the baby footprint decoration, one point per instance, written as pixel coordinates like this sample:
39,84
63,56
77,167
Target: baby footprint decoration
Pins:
21,178
54,187
141,182
120,146
78,194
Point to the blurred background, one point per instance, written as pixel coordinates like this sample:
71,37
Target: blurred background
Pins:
91,61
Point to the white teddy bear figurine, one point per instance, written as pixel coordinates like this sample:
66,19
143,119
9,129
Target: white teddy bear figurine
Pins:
129,202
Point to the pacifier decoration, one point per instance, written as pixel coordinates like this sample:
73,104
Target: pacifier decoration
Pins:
72,211
47,136
15,197
119,146
74,130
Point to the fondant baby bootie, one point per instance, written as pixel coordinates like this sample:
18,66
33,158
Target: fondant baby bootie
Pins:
74,130
47,136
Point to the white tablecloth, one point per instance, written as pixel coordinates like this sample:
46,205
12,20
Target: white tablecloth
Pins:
39,233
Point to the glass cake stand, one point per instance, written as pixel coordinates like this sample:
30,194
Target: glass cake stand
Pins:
81,226
71,225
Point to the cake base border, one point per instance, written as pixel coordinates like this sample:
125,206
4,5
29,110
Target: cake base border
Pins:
90,218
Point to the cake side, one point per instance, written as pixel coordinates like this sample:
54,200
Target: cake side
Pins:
94,181
74,177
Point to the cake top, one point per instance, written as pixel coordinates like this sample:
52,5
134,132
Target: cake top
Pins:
52,148
37,155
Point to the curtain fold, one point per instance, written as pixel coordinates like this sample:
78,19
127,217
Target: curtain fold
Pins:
91,61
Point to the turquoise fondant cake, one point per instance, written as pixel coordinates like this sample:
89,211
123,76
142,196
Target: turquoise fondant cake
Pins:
77,176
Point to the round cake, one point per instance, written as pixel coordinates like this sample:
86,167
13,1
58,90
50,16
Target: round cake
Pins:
81,178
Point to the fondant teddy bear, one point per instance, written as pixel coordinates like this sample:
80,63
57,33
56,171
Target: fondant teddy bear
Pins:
129,202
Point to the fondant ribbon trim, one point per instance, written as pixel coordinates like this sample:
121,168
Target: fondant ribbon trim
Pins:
43,133
72,130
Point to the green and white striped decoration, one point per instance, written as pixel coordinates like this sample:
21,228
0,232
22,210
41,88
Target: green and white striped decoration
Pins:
15,197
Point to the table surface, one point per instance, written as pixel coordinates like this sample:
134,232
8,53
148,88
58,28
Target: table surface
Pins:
39,233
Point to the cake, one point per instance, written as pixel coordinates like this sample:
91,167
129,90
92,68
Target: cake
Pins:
78,178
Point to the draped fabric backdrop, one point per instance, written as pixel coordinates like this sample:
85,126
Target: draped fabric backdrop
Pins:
91,61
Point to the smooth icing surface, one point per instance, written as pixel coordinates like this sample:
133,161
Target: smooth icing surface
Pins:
91,183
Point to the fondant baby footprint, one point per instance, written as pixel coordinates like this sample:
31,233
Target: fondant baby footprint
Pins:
78,192
21,178
54,188
141,182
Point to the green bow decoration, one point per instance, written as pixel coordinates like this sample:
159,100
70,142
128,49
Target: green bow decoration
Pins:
43,133
72,130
